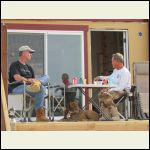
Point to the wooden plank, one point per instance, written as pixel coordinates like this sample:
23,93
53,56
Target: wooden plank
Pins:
4,59
132,125
4,108
4,65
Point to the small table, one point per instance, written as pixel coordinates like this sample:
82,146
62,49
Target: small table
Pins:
81,87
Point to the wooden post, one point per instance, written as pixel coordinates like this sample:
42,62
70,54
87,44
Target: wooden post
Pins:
4,74
4,57
4,108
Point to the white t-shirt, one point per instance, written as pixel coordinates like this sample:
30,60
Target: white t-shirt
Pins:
121,78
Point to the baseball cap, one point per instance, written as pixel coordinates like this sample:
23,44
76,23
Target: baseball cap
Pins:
26,48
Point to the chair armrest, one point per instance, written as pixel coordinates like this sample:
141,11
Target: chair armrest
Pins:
128,92
15,82
52,86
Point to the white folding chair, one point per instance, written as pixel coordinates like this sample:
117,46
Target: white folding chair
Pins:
56,103
21,104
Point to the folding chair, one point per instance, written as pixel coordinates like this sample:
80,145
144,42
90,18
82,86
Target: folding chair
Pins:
134,99
125,98
21,104
56,101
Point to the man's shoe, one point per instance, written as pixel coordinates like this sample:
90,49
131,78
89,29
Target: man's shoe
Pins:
40,115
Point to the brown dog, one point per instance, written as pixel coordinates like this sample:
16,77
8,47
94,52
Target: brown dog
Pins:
78,115
108,106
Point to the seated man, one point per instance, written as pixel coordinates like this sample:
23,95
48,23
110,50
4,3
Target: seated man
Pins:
70,93
21,71
120,77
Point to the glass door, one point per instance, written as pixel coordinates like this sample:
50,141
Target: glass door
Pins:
65,54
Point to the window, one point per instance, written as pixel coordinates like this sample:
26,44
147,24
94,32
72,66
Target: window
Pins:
57,52
64,55
33,40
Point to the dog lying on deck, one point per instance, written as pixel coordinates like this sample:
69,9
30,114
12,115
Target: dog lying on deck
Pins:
76,114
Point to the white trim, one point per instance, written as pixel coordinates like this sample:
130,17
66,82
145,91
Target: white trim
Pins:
26,31
65,32
45,71
47,31
83,65
125,49
108,30
45,54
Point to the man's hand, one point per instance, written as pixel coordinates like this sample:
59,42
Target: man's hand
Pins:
31,80
97,78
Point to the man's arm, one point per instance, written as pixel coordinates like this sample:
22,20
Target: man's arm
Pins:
122,83
101,78
18,77
15,73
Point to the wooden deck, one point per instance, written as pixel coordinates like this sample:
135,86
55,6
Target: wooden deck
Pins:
131,125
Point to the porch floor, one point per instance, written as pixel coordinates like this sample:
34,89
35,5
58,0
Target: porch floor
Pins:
130,125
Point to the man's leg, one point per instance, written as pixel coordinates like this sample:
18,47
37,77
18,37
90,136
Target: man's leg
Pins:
18,90
39,102
113,109
116,94
44,79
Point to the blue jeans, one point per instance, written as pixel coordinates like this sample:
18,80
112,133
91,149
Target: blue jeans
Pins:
39,96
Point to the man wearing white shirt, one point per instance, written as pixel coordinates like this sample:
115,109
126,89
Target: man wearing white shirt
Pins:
121,78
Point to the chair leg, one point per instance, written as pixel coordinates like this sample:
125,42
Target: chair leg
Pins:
49,108
126,109
122,116
30,113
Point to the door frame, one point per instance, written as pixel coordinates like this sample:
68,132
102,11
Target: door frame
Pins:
125,47
125,43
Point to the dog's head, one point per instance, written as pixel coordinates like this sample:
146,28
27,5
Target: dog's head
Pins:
105,96
74,107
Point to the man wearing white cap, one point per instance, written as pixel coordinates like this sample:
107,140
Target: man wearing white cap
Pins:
21,71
